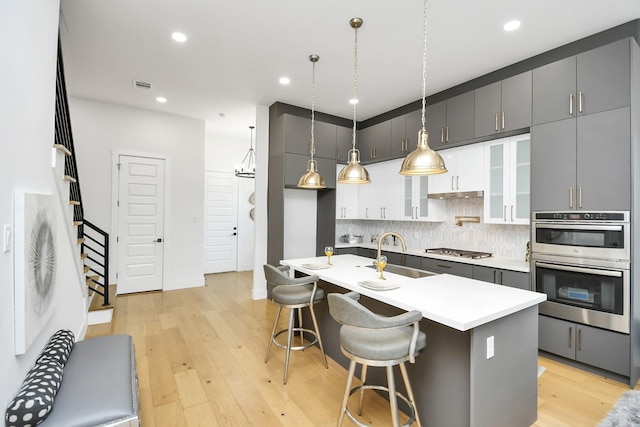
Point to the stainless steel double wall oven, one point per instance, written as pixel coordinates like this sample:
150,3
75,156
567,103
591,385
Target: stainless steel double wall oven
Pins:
581,260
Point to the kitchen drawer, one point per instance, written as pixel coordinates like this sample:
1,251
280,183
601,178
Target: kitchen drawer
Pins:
346,251
403,259
449,267
515,279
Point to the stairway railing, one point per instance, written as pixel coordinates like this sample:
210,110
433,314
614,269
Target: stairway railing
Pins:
95,241
96,247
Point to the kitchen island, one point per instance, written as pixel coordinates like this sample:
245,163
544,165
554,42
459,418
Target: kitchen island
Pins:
456,379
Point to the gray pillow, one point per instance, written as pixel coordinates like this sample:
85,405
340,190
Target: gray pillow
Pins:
34,401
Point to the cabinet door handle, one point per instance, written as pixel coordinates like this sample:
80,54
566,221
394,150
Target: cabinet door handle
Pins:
496,122
501,277
571,104
452,183
442,135
503,120
447,133
579,102
580,197
504,213
457,182
580,339
375,151
511,213
494,276
571,197
570,336
443,266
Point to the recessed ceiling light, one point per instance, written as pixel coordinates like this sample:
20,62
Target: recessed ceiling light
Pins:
161,99
353,101
284,80
512,25
179,37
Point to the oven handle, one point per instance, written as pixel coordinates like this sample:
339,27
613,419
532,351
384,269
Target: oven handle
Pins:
580,227
608,273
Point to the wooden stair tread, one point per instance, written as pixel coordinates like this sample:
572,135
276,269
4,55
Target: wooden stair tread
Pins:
69,178
84,256
80,240
77,223
86,269
61,148
74,202
96,302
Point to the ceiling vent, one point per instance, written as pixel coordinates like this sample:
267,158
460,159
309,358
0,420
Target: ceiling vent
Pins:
141,85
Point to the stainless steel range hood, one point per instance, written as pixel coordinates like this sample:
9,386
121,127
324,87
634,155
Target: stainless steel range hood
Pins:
457,195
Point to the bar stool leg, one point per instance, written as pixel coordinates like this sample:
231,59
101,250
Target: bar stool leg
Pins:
363,379
273,332
407,385
393,400
347,392
292,313
300,326
315,326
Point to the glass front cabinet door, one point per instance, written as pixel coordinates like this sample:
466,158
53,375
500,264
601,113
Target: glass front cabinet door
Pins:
507,171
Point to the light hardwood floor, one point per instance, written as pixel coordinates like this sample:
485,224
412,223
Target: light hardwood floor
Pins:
200,355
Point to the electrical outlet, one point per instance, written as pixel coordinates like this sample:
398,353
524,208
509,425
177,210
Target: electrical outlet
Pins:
490,347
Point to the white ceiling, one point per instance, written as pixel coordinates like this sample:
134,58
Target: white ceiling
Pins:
237,50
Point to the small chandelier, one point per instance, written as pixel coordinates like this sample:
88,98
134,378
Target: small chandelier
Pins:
354,172
423,160
312,180
247,169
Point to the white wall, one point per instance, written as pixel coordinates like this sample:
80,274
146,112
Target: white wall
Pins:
100,129
262,181
28,49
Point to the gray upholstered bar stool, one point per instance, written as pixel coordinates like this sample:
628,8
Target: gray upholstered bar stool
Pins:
373,340
293,293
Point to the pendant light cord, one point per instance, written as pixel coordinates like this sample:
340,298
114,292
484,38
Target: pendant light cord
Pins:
424,65
355,87
312,149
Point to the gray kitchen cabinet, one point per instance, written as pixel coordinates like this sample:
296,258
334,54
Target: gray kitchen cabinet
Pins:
448,267
450,122
375,143
503,106
590,82
404,133
593,346
397,258
346,251
582,163
344,143
297,137
514,279
296,166
367,253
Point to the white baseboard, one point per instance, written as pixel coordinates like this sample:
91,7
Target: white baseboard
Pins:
97,317
258,294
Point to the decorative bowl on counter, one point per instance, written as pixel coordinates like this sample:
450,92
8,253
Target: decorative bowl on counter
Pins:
351,238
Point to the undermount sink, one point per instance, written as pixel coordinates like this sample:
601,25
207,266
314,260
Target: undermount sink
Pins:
405,271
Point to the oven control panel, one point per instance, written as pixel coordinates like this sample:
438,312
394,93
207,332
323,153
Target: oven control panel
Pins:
582,216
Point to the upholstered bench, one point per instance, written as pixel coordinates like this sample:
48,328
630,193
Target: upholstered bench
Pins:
96,383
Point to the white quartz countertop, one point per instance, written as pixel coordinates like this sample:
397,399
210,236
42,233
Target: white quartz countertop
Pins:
457,302
491,262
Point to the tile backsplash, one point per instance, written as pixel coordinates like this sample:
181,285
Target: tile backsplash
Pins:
501,240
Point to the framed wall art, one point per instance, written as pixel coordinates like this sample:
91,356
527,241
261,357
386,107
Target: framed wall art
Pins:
34,266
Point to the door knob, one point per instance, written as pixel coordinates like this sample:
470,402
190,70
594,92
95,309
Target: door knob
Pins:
159,240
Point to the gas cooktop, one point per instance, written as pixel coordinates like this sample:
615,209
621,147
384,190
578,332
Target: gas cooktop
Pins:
458,253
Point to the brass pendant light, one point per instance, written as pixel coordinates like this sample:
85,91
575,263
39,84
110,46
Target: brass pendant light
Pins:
423,160
312,180
354,172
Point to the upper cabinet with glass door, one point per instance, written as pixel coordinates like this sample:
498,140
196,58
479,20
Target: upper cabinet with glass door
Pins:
506,200
416,204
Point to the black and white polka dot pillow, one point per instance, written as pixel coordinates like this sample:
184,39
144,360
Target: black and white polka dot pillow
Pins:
59,346
34,401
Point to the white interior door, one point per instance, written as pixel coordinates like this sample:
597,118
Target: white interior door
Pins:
140,224
220,222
